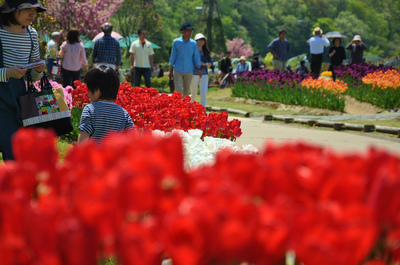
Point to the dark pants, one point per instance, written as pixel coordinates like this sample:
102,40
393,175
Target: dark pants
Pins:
316,62
332,69
69,77
139,72
49,65
10,116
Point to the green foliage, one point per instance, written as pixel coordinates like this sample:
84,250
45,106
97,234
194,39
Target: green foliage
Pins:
76,114
159,82
298,95
257,22
388,98
327,24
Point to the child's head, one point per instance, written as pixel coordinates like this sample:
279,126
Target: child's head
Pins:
302,62
104,79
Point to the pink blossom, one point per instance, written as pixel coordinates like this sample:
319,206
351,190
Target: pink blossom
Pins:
238,49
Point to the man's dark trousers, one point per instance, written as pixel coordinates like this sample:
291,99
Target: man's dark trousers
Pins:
316,62
146,73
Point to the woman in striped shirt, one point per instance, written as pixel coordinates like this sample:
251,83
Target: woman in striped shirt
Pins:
19,45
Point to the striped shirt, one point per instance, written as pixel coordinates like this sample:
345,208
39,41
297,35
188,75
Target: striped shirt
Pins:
16,50
101,117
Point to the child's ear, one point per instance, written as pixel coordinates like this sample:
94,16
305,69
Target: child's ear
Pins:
97,94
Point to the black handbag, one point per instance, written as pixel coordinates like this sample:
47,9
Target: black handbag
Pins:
171,85
41,109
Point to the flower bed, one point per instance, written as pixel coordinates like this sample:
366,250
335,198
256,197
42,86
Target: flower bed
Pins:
151,110
112,200
286,88
370,83
358,71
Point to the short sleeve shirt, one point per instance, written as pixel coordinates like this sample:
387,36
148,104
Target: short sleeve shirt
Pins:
141,53
100,118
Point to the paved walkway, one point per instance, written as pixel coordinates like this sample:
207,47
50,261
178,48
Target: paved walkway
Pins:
344,117
257,132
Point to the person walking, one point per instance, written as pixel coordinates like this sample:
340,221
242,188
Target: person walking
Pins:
317,44
142,62
52,51
106,50
184,56
19,45
357,48
73,57
279,48
337,55
205,57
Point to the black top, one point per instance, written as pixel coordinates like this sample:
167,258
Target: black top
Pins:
225,64
339,56
357,52
161,73
302,69
255,64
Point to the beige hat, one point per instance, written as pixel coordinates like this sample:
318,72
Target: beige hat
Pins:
357,37
317,30
199,36
242,58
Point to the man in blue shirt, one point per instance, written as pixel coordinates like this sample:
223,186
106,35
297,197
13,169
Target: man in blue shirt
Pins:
279,48
106,50
317,44
185,56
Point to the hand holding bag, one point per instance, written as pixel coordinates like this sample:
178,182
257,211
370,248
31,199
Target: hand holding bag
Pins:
41,109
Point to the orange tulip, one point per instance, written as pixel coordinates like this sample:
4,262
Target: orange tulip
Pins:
383,80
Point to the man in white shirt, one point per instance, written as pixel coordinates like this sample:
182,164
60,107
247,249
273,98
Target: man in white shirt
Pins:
141,59
317,44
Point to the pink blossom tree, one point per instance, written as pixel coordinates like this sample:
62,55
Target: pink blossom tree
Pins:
84,15
238,49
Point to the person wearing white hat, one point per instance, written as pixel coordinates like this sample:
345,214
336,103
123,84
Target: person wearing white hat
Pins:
19,45
241,67
317,44
357,48
197,80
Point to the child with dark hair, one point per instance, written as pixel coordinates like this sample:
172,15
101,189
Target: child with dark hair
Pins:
302,68
102,115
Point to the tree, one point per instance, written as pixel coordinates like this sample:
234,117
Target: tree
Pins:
238,49
136,14
327,24
84,15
